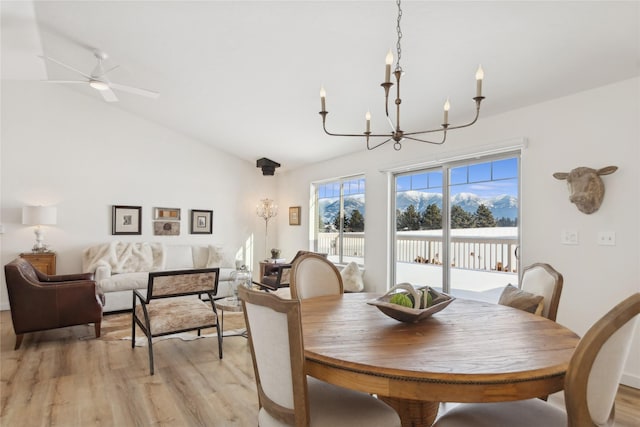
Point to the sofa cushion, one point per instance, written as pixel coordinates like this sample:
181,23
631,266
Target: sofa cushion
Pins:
124,282
200,256
178,257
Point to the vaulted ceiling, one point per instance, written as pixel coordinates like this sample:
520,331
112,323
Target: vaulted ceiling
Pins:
245,76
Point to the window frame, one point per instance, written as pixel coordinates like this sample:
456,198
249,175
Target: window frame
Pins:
315,214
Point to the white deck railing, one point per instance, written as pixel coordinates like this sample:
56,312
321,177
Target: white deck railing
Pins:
475,252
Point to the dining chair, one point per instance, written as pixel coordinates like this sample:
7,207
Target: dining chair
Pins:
286,396
276,275
590,384
172,305
313,275
542,279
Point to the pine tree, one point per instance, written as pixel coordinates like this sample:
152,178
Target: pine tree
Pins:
431,218
345,222
356,222
483,217
461,218
409,219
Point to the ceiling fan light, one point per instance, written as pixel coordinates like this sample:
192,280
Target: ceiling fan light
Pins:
99,85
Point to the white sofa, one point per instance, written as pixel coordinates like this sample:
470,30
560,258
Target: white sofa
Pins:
120,267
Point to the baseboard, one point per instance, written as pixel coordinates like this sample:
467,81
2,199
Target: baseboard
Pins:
630,380
4,307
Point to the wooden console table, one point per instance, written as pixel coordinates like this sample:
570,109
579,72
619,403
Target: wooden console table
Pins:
43,261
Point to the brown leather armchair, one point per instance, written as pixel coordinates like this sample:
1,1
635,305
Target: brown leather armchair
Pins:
40,302
277,275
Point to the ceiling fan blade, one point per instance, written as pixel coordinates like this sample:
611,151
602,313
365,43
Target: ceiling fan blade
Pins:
134,90
68,67
108,95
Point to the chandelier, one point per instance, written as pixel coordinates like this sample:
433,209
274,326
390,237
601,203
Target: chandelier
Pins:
397,134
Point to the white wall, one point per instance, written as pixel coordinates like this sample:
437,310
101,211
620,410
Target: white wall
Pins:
82,155
595,128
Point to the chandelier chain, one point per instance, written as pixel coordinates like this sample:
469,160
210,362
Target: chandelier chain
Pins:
399,30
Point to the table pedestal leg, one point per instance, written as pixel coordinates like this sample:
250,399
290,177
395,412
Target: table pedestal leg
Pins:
413,413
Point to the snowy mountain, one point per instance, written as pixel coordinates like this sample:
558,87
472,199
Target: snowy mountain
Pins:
329,208
500,206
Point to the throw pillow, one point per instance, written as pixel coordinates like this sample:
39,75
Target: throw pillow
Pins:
517,298
352,278
216,255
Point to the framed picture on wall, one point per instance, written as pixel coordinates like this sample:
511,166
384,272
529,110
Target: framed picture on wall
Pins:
294,215
166,214
126,220
166,228
201,221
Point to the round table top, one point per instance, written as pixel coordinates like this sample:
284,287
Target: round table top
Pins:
468,343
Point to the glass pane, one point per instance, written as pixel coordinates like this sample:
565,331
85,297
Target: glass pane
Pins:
418,238
458,175
403,183
419,181
484,233
480,172
507,168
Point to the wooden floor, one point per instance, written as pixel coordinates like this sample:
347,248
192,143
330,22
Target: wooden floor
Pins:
67,378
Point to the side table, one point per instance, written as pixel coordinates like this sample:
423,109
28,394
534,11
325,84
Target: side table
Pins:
45,262
233,305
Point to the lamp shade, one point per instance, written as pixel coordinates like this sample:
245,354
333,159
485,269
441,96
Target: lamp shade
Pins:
39,215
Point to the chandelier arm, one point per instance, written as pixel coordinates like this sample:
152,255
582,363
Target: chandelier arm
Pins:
369,147
444,138
448,127
375,135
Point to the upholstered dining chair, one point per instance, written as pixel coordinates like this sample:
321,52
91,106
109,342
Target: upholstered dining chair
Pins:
542,279
590,384
286,396
170,305
313,275
40,302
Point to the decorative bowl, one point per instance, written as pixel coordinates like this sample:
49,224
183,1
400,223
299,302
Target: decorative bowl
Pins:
407,314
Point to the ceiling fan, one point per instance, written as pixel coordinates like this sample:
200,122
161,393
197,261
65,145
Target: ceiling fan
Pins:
98,79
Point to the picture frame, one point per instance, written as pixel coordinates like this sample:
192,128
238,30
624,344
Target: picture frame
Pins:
294,215
200,221
126,220
166,214
166,228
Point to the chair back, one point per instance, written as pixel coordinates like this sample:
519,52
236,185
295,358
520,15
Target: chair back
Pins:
595,369
274,327
313,275
542,279
174,283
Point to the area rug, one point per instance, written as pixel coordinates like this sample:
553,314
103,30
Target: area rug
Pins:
117,327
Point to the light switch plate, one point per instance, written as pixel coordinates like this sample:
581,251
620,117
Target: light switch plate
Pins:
569,237
607,238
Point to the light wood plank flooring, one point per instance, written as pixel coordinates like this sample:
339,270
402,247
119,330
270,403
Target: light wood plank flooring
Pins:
66,377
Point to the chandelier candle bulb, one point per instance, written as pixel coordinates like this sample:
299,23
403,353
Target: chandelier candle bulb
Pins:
479,77
387,70
368,119
447,105
323,96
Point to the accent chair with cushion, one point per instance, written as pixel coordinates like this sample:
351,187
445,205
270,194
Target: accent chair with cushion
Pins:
313,275
40,302
286,395
590,384
172,305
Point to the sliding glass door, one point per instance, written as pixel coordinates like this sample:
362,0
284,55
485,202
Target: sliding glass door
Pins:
457,226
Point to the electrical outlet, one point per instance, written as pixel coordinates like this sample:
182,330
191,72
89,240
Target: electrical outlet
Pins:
569,237
607,238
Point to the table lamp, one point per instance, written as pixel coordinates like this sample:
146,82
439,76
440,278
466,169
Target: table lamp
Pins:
38,216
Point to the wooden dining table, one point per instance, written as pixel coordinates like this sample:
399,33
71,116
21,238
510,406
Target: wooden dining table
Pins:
471,351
